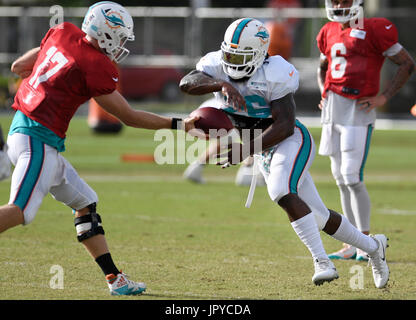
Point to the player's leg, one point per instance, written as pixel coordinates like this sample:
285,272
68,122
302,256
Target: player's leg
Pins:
194,171
339,227
289,164
74,192
355,143
29,182
331,146
347,251
10,216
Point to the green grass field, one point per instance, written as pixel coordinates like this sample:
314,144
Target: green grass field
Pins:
190,241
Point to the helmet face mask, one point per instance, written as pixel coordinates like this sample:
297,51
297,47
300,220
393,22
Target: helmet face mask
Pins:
244,48
343,15
112,26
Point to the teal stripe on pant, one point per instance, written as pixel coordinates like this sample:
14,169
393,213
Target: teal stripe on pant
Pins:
31,177
301,158
370,130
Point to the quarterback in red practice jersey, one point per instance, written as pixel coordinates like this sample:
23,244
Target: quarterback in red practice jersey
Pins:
70,67
353,50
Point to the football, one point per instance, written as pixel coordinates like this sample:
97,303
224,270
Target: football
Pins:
212,118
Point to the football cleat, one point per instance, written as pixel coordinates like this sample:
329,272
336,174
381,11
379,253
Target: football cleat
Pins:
378,262
194,172
361,255
121,285
325,271
347,252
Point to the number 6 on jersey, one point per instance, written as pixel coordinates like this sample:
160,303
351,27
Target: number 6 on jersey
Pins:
338,63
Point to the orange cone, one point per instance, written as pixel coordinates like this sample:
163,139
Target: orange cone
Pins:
101,121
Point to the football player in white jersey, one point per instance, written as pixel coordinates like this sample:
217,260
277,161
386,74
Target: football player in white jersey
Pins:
256,91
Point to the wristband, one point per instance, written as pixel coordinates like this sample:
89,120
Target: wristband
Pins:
176,123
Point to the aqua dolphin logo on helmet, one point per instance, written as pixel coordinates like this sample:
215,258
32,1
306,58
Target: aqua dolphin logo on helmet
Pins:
112,20
262,34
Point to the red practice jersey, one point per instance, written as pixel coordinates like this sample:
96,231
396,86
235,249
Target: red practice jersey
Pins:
355,56
68,72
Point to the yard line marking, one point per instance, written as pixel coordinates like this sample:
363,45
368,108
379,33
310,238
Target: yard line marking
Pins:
397,212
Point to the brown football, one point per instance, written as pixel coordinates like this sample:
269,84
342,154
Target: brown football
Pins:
211,118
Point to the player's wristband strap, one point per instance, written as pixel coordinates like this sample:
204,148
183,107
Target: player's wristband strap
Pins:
177,123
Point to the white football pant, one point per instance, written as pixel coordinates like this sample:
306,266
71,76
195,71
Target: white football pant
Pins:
40,169
286,170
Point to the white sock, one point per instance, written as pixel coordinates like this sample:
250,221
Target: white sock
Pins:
347,233
308,232
346,203
361,205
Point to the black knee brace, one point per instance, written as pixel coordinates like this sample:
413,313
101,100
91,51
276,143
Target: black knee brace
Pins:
89,225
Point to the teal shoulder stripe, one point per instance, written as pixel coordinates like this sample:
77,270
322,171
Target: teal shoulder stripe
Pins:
238,30
31,177
367,149
301,159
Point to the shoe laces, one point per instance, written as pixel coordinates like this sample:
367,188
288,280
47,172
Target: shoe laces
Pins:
323,264
375,261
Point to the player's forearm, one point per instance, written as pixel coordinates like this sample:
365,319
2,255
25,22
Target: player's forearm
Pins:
273,135
283,113
23,65
321,79
406,68
118,106
147,120
198,83
321,74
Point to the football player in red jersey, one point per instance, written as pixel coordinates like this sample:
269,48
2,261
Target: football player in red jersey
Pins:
353,50
70,67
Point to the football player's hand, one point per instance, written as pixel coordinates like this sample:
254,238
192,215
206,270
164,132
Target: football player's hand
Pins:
369,103
231,157
321,103
233,97
189,123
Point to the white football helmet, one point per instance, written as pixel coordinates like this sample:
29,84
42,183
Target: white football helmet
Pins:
112,26
343,15
244,48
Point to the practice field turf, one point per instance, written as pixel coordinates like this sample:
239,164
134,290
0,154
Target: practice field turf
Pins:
190,241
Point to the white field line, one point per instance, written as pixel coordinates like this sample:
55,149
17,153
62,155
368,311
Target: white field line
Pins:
397,212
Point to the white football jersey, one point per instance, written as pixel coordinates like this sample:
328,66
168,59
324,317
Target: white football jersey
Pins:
274,80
